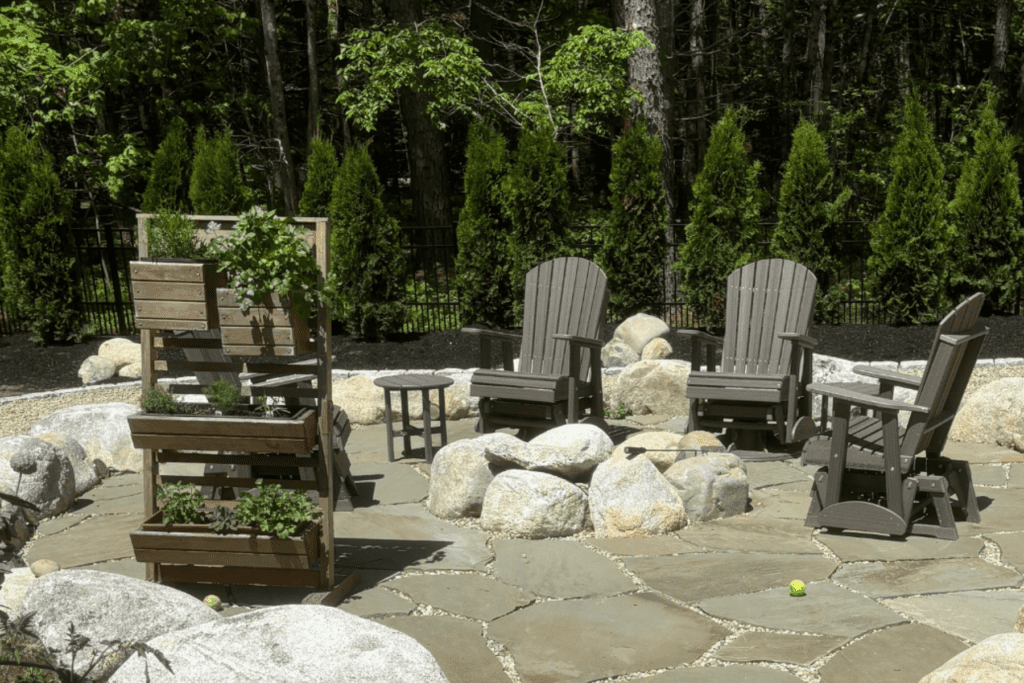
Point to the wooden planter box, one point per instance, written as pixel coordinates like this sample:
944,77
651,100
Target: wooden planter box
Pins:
176,294
273,327
198,544
296,434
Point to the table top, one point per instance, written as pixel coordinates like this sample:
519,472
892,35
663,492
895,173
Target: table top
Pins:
408,382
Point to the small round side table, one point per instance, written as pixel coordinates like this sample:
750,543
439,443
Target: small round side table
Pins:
405,384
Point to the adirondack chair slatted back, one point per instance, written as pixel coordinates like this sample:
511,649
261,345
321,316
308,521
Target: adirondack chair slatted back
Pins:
945,377
763,299
563,296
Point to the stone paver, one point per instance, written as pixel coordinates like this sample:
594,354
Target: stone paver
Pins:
988,475
126,567
780,504
112,506
377,601
773,474
403,537
1001,510
914,577
826,609
901,654
473,596
972,615
689,578
853,548
387,484
1011,547
105,492
557,569
981,453
752,534
791,648
458,646
724,674
575,641
651,545
97,539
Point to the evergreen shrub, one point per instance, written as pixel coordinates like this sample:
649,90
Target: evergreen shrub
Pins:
366,253
535,198
723,231
484,260
909,242
216,186
168,176
36,243
811,209
985,214
322,168
633,244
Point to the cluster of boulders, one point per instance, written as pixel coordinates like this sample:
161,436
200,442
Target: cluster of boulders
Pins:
572,479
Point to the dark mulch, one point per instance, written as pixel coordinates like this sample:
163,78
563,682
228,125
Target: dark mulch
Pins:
26,368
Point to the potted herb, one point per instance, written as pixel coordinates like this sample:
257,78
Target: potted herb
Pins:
267,528
175,288
225,424
273,275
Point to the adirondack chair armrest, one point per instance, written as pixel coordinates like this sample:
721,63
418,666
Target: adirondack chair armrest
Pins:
585,341
889,376
574,359
702,347
486,336
801,339
843,395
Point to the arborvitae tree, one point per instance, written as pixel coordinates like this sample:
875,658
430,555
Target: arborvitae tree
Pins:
366,253
36,243
535,198
810,210
723,230
216,186
168,176
633,249
909,242
320,174
985,214
484,260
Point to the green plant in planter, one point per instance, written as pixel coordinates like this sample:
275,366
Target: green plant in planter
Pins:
269,410
224,520
157,400
170,234
223,395
183,502
274,511
266,254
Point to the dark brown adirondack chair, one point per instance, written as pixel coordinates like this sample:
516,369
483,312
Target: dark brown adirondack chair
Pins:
766,362
872,479
559,375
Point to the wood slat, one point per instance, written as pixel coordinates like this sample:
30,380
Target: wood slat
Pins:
239,576
168,456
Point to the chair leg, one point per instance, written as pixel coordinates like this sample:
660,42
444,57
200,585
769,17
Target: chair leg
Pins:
958,474
693,424
482,424
936,489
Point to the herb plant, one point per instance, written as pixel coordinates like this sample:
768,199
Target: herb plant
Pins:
224,520
171,234
157,400
223,395
269,410
182,505
274,511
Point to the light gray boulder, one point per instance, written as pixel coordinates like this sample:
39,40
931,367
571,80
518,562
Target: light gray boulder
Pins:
655,387
533,505
630,498
831,370
121,351
571,451
87,474
994,413
711,486
50,485
666,448
460,475
130,371
997,659
656,349
618,354
96,369
101,429
639,329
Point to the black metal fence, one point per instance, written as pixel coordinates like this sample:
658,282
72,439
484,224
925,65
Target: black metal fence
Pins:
432,300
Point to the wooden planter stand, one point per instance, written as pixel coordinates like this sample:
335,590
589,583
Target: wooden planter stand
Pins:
176,294
273,327
198,554
296,434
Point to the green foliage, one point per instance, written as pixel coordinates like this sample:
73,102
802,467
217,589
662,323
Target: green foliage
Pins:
224,520
180,503
36,243
170,234
811,208
157,400
535,198
633,249
320,174
986,216
366,250
266,254
723,231
224,395
216,187
484,260
275,512
910,241
168,176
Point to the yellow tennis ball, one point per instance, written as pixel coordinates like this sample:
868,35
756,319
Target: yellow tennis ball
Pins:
212,601
796,588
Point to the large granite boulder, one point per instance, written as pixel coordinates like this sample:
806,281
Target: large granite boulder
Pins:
630,498
654,387
993,414
96,369
46,479
618,354
665,448
101,429
528,504
87,473
121,351
639,329
997,659
656,349
711,486
460,475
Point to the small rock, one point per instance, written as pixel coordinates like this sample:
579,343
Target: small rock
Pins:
638,330
656,349
43,567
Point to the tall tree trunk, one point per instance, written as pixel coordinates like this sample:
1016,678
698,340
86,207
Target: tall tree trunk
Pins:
335,33
786,74
1000,43
816,56
1018,121
865,48
279,118
313,109
697,62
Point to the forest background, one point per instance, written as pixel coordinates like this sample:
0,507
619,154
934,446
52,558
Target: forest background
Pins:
98,84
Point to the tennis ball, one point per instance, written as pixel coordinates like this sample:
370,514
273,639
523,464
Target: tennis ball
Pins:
796,588
212,601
